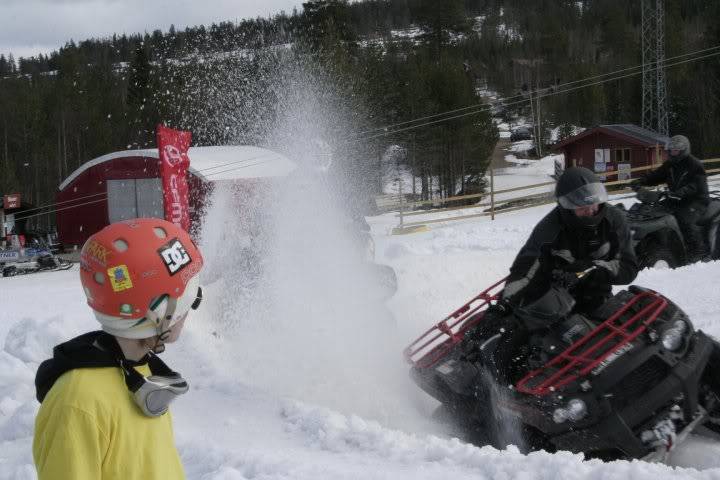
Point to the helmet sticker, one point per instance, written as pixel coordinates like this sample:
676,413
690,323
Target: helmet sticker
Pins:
126,309
96,252
120,278
174,256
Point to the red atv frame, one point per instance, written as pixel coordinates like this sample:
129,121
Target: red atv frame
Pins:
575,362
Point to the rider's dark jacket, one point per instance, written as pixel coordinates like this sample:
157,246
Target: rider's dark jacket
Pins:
557,244
685,178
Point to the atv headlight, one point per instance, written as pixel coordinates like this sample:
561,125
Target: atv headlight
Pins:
575,410
673,336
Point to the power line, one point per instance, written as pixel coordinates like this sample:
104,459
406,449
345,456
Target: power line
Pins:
60,203
237,168
59,209
104,194
552,93
535,92
202,170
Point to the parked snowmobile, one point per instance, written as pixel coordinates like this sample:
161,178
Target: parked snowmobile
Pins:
657,237
632,381
37,258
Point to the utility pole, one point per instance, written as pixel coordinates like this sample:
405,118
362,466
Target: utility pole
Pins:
539,141
532,114
654,86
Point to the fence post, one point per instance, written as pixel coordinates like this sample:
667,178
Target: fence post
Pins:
402,207
492,192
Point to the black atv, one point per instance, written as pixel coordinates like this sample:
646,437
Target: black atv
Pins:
657,237
631,381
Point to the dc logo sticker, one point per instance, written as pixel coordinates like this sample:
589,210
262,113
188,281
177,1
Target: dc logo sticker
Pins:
174,256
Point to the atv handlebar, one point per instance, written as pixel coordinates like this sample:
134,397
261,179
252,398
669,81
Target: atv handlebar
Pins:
654,196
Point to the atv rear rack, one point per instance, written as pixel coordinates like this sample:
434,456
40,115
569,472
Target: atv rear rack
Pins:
580,359
434,344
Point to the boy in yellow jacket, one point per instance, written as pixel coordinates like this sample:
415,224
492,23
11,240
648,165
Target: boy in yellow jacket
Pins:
105,394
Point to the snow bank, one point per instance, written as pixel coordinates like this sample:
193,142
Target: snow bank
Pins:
340,434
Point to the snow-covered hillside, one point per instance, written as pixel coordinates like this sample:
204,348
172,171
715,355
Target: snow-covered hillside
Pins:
308,382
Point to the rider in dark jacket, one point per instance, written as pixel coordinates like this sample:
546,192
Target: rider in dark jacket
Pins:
582,232
582,235
687,184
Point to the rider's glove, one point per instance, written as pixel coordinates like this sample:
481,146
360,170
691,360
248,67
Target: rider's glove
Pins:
599,277
564,278
500,308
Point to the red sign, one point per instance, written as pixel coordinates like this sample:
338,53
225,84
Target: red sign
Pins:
174,162
11,201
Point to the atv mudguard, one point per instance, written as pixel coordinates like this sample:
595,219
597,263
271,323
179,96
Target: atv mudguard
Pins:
666,227
662,231
711,215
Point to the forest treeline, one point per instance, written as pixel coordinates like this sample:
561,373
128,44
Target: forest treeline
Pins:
374,62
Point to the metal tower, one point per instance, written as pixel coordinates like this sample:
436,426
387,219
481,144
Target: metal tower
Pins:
654,101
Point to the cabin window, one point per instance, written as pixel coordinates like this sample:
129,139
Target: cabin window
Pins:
620,155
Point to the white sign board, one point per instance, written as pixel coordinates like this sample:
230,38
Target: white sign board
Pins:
602,156
599,156
624,171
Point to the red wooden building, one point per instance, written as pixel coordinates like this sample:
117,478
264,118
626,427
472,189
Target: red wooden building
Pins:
127,184
614,147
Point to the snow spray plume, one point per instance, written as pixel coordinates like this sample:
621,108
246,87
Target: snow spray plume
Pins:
293,304
506,428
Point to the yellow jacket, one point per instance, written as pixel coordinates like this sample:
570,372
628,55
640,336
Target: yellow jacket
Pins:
89,428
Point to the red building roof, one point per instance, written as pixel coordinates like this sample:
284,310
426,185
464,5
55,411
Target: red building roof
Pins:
628,132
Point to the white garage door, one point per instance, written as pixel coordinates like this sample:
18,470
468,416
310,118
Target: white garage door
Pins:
134,198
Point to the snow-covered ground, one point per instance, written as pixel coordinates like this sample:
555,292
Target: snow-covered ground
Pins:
308,382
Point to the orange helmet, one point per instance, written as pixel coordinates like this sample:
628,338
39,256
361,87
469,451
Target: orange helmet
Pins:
140,276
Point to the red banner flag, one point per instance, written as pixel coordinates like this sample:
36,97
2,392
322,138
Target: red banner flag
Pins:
174,162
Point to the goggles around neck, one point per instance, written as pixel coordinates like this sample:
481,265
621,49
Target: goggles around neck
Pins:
153,394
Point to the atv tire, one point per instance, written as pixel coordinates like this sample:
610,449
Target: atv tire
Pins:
654,255
458,420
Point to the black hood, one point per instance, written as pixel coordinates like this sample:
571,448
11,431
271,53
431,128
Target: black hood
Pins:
91,350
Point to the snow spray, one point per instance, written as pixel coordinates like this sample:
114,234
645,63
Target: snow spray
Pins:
293,308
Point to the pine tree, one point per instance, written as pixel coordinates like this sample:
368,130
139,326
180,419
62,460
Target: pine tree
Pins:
140,100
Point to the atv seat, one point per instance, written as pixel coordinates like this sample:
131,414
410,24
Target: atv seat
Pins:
711,214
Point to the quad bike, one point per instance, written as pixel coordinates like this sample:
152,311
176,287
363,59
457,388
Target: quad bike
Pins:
657,237
630,381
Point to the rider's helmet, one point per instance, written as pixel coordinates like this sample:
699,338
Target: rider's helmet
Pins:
679,144
140,276
578,187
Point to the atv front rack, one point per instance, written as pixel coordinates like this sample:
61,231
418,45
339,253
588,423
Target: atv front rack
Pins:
434,344
611,339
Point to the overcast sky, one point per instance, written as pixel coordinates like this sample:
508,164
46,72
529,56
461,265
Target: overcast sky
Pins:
29,27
